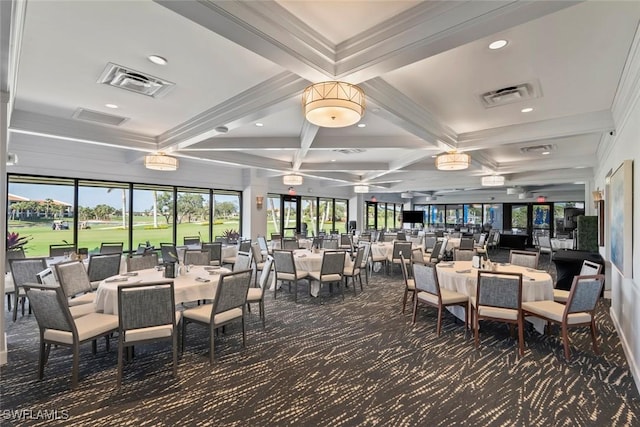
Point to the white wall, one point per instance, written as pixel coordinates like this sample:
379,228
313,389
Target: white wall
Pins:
625,144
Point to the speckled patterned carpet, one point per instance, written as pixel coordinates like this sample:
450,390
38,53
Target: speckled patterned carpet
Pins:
331,362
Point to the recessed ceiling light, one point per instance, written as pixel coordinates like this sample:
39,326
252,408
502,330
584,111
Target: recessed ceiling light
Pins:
579,182
157,59
434,156
362,125
544,153
259,124
333,160
526,110
580,167
498,44
111,105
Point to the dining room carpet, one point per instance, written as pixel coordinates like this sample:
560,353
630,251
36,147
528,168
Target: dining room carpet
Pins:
329,362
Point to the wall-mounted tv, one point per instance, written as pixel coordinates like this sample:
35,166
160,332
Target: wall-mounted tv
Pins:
413,217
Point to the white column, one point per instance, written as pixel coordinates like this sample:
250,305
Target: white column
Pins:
4,117
254,217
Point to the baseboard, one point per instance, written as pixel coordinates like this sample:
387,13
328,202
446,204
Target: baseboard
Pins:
627,351
3,354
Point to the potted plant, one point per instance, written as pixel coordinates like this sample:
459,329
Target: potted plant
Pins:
15,242
231,236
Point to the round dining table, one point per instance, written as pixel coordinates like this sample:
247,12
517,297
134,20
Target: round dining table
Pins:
460,276
199,283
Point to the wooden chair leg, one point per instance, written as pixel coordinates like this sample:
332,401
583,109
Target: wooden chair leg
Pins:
9,302
404,299
262,311
211,345
439,323
521,335
76,366
41,359
565,340
594,336
120,361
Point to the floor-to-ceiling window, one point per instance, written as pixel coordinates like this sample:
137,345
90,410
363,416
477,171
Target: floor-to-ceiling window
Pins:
226,212
341,215
103,214
325,210
153,215
40,210
309,215
192,214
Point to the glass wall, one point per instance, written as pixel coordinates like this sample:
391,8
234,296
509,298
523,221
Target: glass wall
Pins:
455,215
316,214
273,214
325,211
493,216
192,214
341,216
44,211
41,211
309,215
519,217
103,209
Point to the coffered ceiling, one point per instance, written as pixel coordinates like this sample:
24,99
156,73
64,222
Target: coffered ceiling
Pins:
422,64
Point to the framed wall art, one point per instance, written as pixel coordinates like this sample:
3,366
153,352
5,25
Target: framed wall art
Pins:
621,219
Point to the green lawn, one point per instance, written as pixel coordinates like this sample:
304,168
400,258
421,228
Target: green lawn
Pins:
42,235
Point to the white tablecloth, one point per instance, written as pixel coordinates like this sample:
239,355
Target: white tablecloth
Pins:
460,277
186,287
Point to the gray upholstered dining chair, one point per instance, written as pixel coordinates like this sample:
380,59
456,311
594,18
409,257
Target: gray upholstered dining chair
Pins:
57,325
429,292
46,277
75,283
147,313
578,311
61,249
256,295
355,270
197,257
191,240
409,284
463,254
399,248
228,306
111,247
331,270
243,261
498,298
366,259
589,268
527,259
23,271
102,266
286,271
137,262
215,252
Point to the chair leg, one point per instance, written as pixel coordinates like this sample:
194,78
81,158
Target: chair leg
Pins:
41,359
476,326
415,311
76,366
175,353
594,336
404,299
439,323
565,341
15,305
521,334
9,302
244,334
353,283
262,311
120,361
211,344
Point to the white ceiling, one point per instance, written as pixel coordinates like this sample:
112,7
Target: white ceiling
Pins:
422,65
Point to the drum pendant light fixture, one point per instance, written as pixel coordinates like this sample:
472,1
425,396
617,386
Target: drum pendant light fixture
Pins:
160,162
333,104
453,161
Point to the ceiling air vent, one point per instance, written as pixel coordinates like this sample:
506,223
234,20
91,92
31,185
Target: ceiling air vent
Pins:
510,94
538,149
350,150
135,81
98,117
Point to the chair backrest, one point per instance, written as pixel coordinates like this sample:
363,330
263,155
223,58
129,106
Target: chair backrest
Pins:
524,258
220,239
429,242
289,244
366,245
482,240
436,252
191,240
46,277
244,245
196,257
332,263
401,248
243,261
73,278
51,308
358,260
401,235
443,248
330,243
345,240
256,252
417,255
111,247
232,292
142,248
276,236
13,254
25,270
590,268
215,250
466,243
137,262
146,305
503,290
61,250
169,252
364,237
494,238
262,241
405,271
584,295
103,266
263,282
317,242
544,242
284,262
426,279
463,254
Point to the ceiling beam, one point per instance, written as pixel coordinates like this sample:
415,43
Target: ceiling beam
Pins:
240,144
307,135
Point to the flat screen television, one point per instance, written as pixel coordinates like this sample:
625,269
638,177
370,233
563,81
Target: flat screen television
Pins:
413,217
